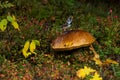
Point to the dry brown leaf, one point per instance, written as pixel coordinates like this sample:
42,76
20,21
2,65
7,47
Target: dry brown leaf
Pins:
42,22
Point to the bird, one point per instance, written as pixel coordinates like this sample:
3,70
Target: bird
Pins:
68,23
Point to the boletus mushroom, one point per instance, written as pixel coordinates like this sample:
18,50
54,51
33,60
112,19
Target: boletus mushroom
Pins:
72,39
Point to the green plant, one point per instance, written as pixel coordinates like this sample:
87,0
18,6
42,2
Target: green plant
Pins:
116,70
112,32
12,20
5,4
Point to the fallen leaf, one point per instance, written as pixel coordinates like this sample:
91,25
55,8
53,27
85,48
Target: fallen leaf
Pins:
25,49
84,72
15,25
14,18
110,61
4,22
2,27
96,77
96,57
95,53
98,61
37,42
10,18
32,47
26,46
26,54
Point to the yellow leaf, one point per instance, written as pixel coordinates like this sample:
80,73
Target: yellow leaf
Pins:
110,61
97,61
36,42
15,25
96,55
3,24
84,72
25,49
96,77
3,27
14,18
26,46
26,54
32,47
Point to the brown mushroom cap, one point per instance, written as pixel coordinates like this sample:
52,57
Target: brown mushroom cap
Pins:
72,39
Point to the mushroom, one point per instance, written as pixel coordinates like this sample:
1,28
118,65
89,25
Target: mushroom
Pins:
72,40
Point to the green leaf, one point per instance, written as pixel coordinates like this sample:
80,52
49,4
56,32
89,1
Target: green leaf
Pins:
117,50
3,25
10,5
9,18
4,22
15,25
36,42
6,4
